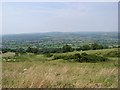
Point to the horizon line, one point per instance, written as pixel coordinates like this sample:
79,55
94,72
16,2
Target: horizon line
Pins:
56,32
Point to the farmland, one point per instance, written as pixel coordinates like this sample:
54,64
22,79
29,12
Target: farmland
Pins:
58,39
60,60
59,45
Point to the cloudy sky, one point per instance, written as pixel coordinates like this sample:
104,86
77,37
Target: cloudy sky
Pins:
31,17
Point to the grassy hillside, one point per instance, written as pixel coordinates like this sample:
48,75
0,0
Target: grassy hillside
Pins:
100,52
39,71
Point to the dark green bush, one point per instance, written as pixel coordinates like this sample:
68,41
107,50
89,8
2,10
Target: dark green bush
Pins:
59,57
66,48
92,58
84,57
77,57
84,54
48,55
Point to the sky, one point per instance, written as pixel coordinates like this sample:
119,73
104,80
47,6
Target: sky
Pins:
32,17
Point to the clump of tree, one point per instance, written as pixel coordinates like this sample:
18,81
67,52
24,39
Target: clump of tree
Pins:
5,50
20,51
49,50
48,55
32,50
66,48
93,46
85,47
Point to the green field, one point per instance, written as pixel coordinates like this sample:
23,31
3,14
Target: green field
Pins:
39,71
58,39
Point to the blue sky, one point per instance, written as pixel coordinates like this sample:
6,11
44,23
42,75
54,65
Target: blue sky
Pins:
31,17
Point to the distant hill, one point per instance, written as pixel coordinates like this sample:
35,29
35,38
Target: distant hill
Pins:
57,39
59,35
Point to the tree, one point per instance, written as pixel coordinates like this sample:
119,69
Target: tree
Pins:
85,47
80,48
119,46
32,50
77,56
35,50
100,47
5,50
66,48
94,46
29,49
105,47
21,50
84,57
84,54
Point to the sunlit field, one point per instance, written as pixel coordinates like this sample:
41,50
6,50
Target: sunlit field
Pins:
59,44
39,71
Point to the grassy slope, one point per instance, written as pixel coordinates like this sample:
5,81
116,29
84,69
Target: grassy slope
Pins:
60,74
101,51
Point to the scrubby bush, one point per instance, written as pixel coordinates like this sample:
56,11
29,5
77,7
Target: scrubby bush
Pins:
86,47
66,48
48,55
77,57
84,57
59,57
84,54
93,58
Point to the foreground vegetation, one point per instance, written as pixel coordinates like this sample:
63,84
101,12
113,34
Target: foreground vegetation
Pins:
44,71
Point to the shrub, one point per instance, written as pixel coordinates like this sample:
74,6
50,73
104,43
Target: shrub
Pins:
93,58
86,47
84,57
66,48
84,54
77,57
48,55
59,57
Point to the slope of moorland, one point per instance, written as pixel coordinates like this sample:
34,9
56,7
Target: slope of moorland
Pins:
38,71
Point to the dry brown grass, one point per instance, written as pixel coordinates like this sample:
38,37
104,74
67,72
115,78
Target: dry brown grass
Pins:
39,73
8,54
59,75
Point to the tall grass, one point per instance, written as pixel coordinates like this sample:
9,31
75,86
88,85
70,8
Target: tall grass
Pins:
43,72
59,75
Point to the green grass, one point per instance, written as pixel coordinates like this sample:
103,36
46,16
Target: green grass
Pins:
38,71
99,52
